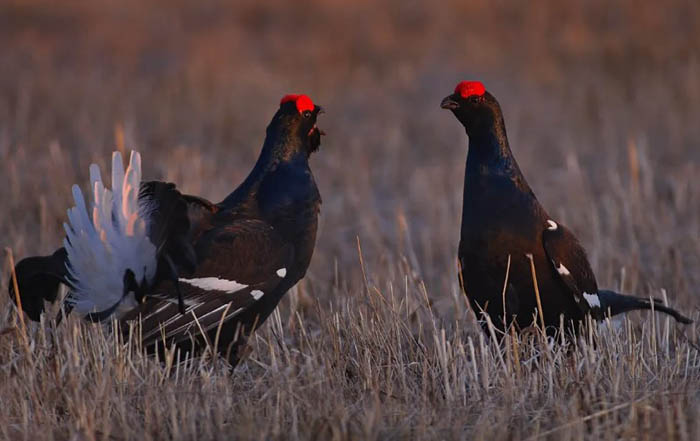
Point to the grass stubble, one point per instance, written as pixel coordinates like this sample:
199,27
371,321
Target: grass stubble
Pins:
377,341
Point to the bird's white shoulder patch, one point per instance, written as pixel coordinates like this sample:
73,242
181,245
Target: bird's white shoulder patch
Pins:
551,225
256,293
564,271
215,284
282,272
592,299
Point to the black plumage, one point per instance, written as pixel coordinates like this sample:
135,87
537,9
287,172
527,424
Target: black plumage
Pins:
221,268
39,278
505,231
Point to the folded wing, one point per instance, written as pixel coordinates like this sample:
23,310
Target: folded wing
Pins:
239,263
571,264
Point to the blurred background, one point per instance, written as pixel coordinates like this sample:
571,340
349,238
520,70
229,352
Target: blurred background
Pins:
601,102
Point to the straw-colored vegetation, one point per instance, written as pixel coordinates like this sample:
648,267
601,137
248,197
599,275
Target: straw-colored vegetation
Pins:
601,102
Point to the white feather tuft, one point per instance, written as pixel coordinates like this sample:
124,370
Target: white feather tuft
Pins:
256,294
214,284
107,240
564,271
592,300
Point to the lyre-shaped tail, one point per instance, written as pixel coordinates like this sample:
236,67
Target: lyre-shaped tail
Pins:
614,303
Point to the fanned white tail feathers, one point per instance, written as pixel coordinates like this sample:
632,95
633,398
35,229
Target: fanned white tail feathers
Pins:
109,239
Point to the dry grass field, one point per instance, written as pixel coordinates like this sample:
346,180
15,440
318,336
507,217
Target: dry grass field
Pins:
602,106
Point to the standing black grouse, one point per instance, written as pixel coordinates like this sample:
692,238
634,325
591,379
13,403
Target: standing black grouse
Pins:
505,230
179,263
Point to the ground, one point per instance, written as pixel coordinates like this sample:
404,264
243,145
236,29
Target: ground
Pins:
601,104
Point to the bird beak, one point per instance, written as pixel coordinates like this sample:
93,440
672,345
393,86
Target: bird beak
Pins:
315,129
449,103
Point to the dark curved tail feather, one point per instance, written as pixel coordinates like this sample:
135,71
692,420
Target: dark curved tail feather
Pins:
38,279
614,303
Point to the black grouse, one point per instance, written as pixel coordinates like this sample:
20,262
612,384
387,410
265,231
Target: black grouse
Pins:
179,263
505,231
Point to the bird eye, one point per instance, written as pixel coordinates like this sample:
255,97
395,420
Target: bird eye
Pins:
307,113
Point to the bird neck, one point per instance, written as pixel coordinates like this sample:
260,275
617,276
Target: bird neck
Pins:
276,149
490,161
489,151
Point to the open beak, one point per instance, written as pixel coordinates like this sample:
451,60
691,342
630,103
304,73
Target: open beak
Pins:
318,110
449,103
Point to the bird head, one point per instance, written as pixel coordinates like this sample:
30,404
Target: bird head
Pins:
473,106
295,121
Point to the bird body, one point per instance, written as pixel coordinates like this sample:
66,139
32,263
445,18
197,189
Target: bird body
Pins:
501,220
193,273
508,242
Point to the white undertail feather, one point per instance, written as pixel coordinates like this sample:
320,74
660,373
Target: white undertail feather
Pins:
109,238
592,299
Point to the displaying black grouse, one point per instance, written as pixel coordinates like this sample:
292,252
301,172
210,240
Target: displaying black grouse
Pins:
505,230
179,263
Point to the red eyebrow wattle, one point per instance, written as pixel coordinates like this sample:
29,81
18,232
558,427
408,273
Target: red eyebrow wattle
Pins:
303,102
468,88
